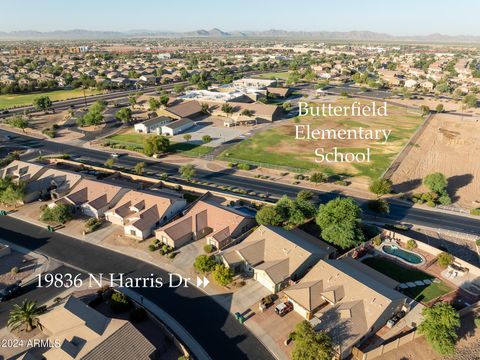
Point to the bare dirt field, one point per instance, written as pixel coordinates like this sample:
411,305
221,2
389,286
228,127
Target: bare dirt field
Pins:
449,144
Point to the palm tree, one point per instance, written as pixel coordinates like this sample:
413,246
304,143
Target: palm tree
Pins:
27,314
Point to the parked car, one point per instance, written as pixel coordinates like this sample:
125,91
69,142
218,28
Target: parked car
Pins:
395,318
5,112
9,292
284,308
267,301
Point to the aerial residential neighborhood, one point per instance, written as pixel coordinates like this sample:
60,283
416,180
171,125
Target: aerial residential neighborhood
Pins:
299,182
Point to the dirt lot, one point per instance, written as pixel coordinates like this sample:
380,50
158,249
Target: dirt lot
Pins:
450,144
24,263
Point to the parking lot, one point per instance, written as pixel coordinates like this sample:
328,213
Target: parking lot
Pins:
213,126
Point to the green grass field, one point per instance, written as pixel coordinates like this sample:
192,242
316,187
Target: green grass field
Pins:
134,142
277,147
16,100
274,75
404,274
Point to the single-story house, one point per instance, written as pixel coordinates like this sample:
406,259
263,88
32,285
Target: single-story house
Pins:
140,212
84,333
177,126
275,256
347,300
93,198
186,109
220,225
41,182
152,125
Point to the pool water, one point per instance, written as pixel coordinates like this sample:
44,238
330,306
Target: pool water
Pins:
246,210
405,255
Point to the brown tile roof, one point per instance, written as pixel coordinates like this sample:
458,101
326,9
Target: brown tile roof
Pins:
186,109
96,193
204,213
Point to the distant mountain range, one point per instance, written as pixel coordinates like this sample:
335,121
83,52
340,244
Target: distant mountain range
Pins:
79,34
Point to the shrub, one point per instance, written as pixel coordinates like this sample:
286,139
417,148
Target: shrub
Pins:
60,213
14,270
411,244
92,224
244,166
204,263
222,274
119,302
172,255
478,242
152,247
445,199
318,177
377,240
445,259
431,203
477,322
475,212
208,248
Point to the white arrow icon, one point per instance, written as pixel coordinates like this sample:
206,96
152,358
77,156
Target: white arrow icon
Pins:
202,282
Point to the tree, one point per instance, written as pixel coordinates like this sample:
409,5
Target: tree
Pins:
42,103
436,182
155,144
60,213
268,215
425,110
187,171
11,192
164,99
445,259
381,186
470,100
379,206
139,168
340,222
439,327
204,263
318,177
305,195
227,109
124,115
109,163
310,344
222,274
205,108
132,100
178,88
18,121
246,112
206,139
187,137
153,104
439,108
25,314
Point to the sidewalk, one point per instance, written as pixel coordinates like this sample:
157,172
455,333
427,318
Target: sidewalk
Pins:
256,330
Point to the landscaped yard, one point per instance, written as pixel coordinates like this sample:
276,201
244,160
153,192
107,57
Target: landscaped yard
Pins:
15,100
134,142
278,147
403,274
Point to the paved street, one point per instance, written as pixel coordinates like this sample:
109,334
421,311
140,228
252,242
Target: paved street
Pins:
398,211
208,322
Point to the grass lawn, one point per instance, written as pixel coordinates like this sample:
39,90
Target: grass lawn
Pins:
404,274
277,147
15,100
274,75
134,142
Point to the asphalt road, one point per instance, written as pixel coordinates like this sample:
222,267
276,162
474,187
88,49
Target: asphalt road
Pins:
398,211
30,291
209,323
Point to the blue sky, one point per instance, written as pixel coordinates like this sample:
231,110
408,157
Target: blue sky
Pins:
400,17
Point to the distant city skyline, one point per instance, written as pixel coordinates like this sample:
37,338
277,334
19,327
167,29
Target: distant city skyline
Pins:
404,18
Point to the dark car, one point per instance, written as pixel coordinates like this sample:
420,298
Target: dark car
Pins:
5,112
9,292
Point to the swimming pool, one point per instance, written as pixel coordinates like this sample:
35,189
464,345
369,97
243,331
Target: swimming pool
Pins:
404,255
246,210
